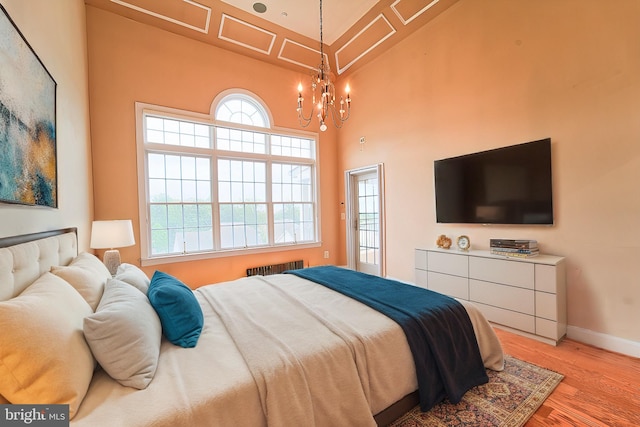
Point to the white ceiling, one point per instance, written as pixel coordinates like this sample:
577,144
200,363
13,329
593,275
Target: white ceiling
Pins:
303,16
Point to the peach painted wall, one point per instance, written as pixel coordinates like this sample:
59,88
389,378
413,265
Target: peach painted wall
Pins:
492,73
131,62
56,32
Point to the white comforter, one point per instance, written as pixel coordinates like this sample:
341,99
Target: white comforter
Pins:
277,351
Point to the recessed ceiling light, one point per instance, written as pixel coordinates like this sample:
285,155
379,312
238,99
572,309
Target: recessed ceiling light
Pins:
260,7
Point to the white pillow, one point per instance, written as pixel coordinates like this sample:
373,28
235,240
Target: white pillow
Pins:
44,358
132,275
87,274
125,334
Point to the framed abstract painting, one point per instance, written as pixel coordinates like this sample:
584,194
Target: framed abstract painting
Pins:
28,163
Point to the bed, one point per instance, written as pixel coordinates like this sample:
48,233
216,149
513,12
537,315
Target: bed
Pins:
275,350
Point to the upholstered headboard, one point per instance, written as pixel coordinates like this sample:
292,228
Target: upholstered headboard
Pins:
24,258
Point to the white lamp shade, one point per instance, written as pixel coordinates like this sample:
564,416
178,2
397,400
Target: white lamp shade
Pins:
112,234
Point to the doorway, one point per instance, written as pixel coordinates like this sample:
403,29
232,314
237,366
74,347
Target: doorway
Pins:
365,219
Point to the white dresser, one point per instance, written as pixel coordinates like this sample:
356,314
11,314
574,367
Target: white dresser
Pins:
525,295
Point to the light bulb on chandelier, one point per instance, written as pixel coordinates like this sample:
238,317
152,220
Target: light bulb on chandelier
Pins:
326,101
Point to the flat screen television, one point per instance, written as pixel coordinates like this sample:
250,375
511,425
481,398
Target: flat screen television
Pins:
509,185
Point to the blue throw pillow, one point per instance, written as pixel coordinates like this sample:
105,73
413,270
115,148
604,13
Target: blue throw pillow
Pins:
178,309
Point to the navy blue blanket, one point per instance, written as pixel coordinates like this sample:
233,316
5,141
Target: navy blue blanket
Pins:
438,329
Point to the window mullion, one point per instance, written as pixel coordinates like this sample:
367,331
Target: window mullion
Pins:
215,202
269,192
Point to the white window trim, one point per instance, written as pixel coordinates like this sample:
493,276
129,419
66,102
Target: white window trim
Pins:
144,108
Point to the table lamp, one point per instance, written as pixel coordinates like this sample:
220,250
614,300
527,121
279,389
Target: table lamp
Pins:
110,235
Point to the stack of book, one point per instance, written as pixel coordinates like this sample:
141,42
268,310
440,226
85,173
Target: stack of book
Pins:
514,248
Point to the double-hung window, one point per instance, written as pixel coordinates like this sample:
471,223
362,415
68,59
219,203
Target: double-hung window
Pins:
214,185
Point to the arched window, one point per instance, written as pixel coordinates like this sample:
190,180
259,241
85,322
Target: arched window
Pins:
223,183
242,109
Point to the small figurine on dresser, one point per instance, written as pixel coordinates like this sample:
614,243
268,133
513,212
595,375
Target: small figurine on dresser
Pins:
443,242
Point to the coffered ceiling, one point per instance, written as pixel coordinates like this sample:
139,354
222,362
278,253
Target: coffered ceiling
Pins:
287,33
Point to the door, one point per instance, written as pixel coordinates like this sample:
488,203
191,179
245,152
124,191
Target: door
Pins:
365,243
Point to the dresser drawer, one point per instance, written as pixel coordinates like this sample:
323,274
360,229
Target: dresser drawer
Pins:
548,329
421,278
447,284
546,306
507,272
546,279
508,318
458,265
508,297
420,259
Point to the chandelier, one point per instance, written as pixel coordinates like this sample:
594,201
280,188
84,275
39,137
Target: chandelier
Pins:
323,94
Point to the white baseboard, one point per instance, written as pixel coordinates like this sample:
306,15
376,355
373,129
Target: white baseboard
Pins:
607,342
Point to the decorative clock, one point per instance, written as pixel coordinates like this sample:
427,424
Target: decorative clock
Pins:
464,243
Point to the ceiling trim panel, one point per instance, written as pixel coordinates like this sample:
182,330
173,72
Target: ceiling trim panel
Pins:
299,54
245,34
402,8
367,39
203,9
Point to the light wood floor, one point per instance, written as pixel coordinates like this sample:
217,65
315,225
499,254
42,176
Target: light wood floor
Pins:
600,388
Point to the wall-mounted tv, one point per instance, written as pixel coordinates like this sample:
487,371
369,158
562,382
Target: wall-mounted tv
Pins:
509,185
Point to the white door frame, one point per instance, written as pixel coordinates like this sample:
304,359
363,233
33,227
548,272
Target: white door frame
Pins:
351,194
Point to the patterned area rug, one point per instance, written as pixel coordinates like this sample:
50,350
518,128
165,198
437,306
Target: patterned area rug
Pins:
509,399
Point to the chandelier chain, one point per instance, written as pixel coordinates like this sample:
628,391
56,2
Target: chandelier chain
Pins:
321,40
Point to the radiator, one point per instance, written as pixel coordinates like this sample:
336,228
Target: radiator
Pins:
267,270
